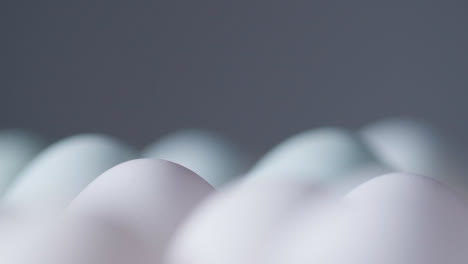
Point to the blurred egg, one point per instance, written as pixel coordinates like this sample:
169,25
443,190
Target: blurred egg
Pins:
407,218
415,147
79,241
233,225
209,155
148,197
396,218
62,170
17,148
19,229
325,155
296,241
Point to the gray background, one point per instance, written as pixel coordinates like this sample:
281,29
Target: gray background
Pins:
254,71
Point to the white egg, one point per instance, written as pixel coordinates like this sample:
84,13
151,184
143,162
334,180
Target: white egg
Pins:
79,241
298,239
91,242
62,170
17,149
396,218
325,155
415,147
148,197
209,155
233,225
20,229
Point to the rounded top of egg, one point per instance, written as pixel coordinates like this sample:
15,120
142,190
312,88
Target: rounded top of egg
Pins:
149,197
324,154
17,148
209,155
408,145
63,169
409,218
402,188
395,218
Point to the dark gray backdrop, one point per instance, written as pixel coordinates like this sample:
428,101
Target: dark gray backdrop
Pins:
256,71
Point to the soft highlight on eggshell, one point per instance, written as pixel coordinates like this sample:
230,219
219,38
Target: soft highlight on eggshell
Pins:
318,156
63,169
148,197
21,230
410,218
395,218
415,147
233,225
17,149
214,158
298,239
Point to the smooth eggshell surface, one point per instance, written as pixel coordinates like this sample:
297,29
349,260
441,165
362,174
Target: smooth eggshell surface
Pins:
232,226
19,231
148,197
414,147
396,218
80,241
318,156
17,149
209,155
62,170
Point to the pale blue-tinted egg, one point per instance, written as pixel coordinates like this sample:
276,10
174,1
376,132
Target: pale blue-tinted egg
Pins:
411,146
318,156
17,148
211,156
62,170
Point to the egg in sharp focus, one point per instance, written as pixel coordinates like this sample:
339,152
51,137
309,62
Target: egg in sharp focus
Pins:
63,169
211,156
148,197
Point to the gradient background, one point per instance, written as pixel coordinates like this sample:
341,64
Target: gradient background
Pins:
256,71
